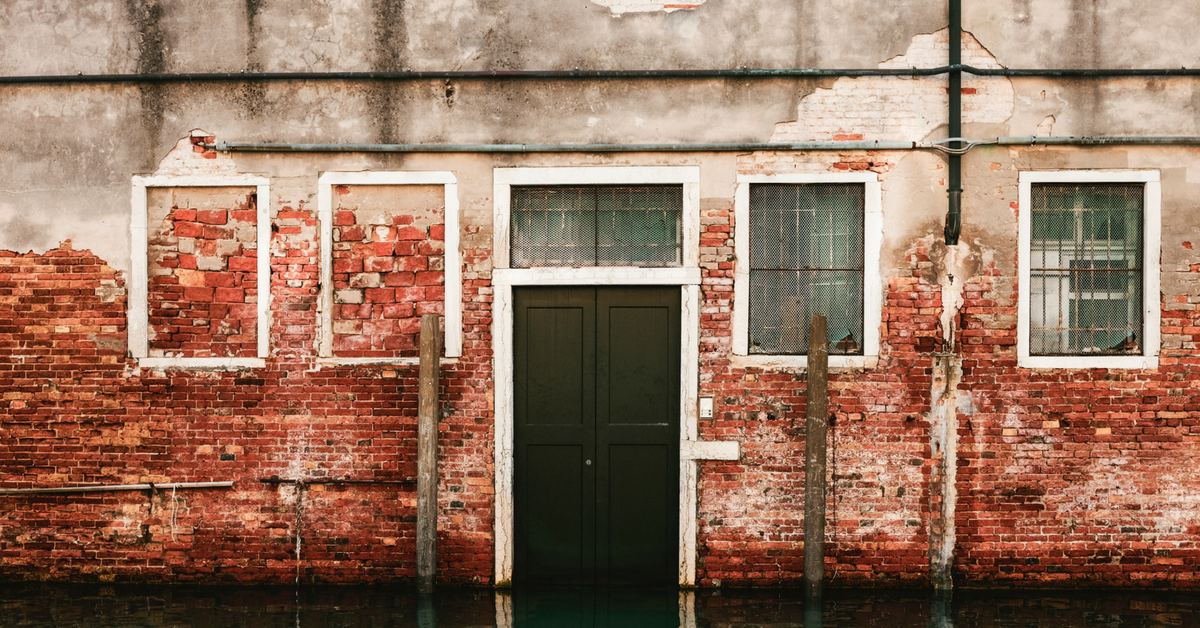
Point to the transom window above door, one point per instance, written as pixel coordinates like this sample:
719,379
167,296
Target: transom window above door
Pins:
596,225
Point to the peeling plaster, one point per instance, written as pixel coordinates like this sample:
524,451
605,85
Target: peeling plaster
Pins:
944,407
901,109
643,6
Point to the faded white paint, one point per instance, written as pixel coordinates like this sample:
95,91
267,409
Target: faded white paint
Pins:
943,437
646,6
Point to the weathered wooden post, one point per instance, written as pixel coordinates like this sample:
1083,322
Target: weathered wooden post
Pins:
427,422
815,430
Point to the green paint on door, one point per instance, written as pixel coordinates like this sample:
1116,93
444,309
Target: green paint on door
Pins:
596,383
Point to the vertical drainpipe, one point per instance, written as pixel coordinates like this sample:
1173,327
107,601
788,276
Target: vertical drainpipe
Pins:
954,183
947,367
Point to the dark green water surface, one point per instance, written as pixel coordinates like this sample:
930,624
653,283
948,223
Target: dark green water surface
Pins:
46,605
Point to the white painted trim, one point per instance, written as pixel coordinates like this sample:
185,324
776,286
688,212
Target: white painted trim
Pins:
691,449
504,178
687,277
221,364
138,313
452,258
620,276
139,281
263,263
1152,242
800,362
398,362
872,275
689,429
502,368
710,450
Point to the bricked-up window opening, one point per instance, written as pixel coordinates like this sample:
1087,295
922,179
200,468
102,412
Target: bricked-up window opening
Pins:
388,267
597,226
806,257
202,262
1086,269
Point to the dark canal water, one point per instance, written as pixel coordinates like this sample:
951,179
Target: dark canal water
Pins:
38,605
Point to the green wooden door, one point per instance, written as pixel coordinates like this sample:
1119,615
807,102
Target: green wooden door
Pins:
596,408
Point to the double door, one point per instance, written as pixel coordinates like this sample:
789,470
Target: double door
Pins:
596,409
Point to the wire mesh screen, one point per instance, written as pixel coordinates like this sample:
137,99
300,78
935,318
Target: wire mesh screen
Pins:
806,257
1086,269
597,226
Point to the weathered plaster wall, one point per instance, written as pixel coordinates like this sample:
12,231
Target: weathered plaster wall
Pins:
947,460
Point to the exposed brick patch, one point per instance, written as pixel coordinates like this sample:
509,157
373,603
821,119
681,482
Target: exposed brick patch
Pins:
388,267
203,272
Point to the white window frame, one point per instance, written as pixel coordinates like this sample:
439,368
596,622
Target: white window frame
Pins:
691,449
139,287
452,257
872,278
1151,233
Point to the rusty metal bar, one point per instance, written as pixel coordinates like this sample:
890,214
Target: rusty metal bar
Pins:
577,74
114,488
279,480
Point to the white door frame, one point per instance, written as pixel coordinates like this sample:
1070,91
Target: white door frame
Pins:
687,277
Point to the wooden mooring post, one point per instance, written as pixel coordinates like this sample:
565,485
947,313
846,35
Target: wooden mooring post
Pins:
816,429
427,423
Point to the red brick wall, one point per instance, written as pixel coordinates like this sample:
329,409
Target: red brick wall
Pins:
203,272
1095,482
751,512
388,268
1064,477
75,410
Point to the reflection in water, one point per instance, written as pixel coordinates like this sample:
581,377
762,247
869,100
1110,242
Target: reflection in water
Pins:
46,605
940,610
599,607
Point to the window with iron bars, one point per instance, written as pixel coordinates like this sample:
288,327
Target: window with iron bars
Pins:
1086,274
596,225
806,257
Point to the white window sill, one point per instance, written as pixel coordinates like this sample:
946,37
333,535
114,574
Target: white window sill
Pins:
801,361
208,364
383,361
1088,362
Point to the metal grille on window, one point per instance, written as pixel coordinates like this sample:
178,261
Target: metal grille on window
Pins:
806,257
1086,270
597,226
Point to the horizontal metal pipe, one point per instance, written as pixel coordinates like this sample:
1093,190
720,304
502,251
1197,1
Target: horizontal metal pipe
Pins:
335,481
1080,72
114,487
557,148
1181,140
470,75
695,148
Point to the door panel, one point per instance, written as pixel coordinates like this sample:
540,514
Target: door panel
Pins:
641,546
640,368
554,410
596,403
554,370
557,519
